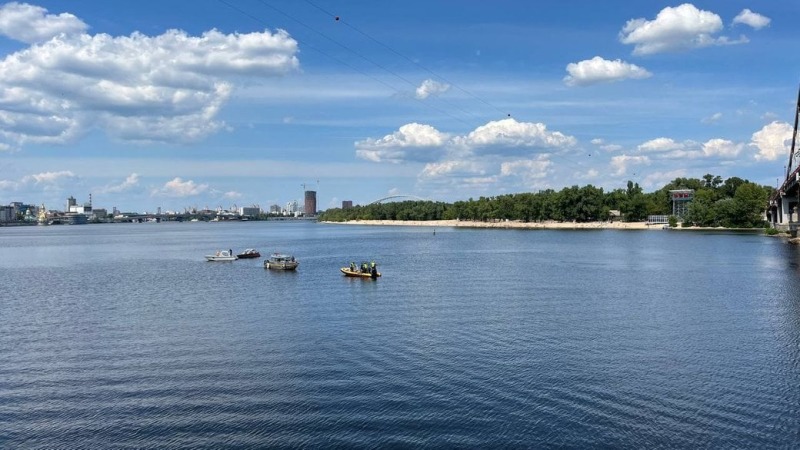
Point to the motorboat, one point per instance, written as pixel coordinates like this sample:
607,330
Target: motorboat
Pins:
221,255
281,261
249,253
363,271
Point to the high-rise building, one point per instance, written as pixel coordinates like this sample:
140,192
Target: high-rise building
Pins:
310,207
7,214
249,211
347,204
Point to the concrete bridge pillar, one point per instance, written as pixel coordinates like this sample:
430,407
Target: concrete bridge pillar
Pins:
785,210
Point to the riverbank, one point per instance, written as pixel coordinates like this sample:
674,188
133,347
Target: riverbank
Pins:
546,225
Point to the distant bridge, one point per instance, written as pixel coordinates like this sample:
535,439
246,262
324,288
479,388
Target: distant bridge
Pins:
393,197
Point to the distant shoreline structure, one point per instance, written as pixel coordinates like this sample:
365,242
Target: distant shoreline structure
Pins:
546,225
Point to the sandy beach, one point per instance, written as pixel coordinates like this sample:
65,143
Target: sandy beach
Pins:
548,225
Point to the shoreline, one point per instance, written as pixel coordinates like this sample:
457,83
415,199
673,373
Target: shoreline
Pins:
546,225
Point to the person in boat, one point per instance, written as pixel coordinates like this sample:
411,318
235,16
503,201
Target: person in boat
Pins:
353,266
230,252
364,267
374,270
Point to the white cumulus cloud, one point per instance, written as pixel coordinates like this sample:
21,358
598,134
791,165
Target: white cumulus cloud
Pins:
752,19
530,171
424,143
47,181
165,88
713,148
661,144
8,185
30,24
599,70
677,28
498,151
773,141
601,143
413,141
48,177
528,168
660,179
620,163
452,168
179,188
431,87
722,148
130,182
588,175
497,136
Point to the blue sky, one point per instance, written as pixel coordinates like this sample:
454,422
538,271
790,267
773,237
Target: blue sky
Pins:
218,103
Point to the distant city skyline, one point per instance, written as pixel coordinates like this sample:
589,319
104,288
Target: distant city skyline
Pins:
193,104
72,201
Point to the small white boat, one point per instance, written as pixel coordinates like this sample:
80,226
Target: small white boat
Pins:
280,261
222,255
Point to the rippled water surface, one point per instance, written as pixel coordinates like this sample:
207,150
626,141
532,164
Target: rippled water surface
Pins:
124,336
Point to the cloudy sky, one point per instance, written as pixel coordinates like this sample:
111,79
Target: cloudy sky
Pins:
220,102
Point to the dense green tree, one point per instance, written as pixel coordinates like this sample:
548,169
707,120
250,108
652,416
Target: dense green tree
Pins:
685,183
731,184
634,209
590,206
725,213
567,200
711,181
659,202
615,199
732,203
750,200
701,211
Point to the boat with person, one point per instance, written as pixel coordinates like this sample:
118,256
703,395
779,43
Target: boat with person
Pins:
281,261
365,270
249,253
221,255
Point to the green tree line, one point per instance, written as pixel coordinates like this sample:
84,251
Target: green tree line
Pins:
729,203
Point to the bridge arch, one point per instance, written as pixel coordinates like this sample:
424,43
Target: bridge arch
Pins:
392,197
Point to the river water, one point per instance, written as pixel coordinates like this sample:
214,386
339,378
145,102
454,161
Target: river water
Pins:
123,336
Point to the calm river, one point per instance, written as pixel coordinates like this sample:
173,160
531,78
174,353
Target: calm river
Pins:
123,336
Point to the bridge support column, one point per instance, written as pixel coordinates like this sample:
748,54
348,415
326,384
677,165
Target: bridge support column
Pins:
785,210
